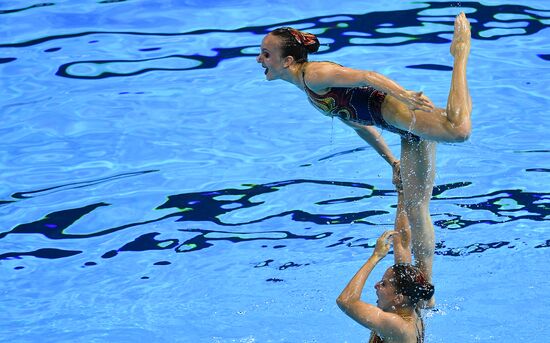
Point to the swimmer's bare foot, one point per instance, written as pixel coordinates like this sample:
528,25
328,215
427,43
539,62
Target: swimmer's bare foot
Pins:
460,46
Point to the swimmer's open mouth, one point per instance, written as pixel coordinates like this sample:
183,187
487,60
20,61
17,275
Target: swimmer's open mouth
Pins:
266,70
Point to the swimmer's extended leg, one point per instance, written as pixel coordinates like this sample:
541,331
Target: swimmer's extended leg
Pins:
450,124
459,102
418,176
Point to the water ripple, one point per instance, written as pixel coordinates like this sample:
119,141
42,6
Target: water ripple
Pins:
390,28
211,207
45,4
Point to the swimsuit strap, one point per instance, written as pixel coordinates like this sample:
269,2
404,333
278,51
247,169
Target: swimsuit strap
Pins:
304,80
307,89
419,331
418,328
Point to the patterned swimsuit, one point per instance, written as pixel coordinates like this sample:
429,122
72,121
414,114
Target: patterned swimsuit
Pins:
362,105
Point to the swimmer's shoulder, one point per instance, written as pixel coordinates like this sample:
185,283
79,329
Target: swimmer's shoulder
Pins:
318,74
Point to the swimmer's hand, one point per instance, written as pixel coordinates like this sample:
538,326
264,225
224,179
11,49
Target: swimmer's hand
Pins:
396,176
417,101
383,244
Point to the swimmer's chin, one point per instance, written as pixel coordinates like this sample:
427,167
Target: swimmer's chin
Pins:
267,77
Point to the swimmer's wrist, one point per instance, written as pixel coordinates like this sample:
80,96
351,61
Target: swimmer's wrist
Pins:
375,257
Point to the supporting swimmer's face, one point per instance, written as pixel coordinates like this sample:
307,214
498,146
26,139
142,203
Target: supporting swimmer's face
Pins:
271,59
386,292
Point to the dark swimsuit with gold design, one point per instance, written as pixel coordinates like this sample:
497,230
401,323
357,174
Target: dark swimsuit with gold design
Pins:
362,105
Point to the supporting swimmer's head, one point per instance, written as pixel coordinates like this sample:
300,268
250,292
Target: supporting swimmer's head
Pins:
296,43
411,282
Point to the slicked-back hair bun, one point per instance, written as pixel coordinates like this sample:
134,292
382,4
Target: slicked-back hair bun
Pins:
410,281
295,43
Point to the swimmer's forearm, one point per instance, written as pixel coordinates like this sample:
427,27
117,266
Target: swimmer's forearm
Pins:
375,140
402,238
352,292
384,84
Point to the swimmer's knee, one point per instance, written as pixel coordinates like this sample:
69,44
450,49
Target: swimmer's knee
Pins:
416,206
423,253
462,134
459,133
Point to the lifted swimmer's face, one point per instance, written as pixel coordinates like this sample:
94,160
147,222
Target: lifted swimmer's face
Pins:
271,59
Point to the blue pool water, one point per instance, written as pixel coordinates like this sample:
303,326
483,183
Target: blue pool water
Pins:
155,188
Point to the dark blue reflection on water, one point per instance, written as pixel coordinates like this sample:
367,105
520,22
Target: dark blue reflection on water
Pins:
507,205
7,60
15,10
431,67
343,30
42,253
206,206
76,185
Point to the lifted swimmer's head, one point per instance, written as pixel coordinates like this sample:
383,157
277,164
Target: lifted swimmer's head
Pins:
295,43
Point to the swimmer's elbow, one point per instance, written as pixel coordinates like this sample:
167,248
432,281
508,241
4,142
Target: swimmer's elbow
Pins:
340,302
370,78
344,303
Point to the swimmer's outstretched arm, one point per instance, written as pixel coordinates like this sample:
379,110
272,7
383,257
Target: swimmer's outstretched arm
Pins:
371,135
384,323
327,75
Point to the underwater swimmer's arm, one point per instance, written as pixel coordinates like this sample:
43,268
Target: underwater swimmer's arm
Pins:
370,316
402,238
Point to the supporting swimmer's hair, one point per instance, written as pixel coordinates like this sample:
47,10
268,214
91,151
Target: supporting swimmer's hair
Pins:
296,43
410,281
